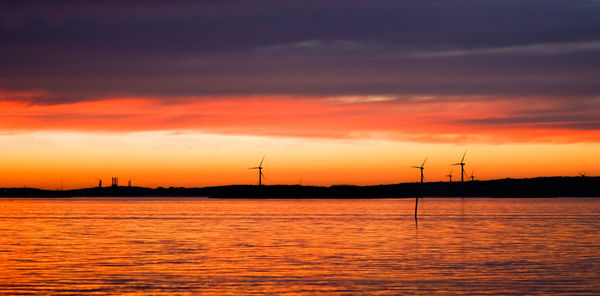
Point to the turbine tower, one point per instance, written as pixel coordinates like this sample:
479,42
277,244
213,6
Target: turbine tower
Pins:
421,167
259,168
462,167
450,176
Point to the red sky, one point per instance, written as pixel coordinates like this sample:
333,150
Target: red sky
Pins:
199,141
332,92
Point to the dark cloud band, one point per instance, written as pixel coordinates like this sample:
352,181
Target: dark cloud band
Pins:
68,51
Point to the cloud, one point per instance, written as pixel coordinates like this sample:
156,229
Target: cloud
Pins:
589,121
365,99
82,50
419,61
415,119
530,49
321,47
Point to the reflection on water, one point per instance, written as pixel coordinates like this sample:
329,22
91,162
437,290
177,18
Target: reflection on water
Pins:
240,247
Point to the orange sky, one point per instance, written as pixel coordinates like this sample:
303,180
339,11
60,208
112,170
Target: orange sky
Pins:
423,119
203,141
330,91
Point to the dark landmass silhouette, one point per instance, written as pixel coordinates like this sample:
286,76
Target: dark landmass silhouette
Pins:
533,187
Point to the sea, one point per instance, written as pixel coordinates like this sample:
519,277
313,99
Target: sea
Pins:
200,246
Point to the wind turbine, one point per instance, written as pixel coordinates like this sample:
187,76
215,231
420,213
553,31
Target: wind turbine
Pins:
99,182
462,167
582,175
472,176
421,167
450,176
259,168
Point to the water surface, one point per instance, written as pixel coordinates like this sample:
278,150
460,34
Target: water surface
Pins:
299,247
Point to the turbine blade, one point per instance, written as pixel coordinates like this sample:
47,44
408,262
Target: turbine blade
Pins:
263,175
455,164
463,158
424,161
261,161
416,167
254,168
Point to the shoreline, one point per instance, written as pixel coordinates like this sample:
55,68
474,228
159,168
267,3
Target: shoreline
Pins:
500,188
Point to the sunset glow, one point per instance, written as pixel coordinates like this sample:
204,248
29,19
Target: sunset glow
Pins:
294,147
181,106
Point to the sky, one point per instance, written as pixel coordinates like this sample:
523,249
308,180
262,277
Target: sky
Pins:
193,93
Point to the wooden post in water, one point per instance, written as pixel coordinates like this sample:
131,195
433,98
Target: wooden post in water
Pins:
421,167
416,205
417,197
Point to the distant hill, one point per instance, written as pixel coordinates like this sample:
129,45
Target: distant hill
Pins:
533,187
